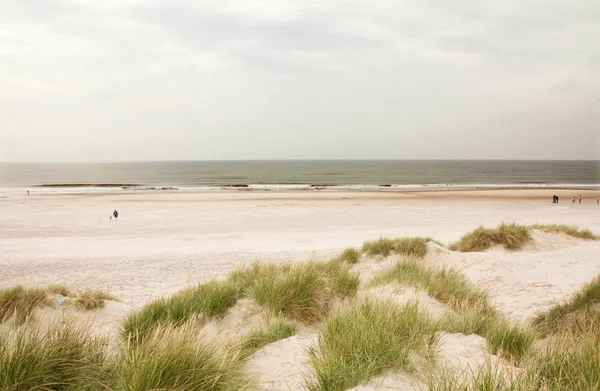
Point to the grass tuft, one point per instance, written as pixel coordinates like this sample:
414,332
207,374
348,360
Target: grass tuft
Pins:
366,339
580,233
20,303
509,236
447,285
60,289
206,300
298,291
513,342
414,247
302,292
276,329
489,377
174,358
472,312
93,299
569,363
350,255
579,314
65,357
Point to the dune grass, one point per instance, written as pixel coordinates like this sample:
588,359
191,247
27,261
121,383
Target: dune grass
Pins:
64,357
569,360
510,341
568,363
489,377
579,313
60,289
298,291
571,230
20,302
447,285
472,313
276,329
302,291
350,255
204,301
414,246
93,299
366,339
69,358
174,358
510,236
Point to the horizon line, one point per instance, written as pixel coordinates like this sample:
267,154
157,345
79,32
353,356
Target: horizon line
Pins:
287,160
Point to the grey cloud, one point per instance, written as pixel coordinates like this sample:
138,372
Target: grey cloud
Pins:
348,79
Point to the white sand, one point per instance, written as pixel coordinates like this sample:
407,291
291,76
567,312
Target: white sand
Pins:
165,242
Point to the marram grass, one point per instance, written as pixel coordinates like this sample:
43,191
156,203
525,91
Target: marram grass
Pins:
510,236
364,340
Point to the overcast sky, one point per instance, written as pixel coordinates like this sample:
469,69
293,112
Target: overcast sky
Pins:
283,79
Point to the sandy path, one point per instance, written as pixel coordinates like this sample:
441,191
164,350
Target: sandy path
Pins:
164,242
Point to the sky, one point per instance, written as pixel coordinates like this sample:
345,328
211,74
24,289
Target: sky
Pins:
114,80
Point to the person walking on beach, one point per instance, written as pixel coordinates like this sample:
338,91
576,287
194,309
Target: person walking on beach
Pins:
573,199
580,198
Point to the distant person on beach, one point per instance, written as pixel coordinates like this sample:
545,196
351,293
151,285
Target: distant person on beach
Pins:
116,214
580,198
573,199
27,192
554,199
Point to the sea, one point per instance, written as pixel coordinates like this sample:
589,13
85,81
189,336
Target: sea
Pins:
321,175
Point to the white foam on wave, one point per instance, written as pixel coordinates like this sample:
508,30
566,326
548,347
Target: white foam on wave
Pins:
21,191
279,187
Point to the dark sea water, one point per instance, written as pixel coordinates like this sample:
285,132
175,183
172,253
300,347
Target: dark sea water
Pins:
295,175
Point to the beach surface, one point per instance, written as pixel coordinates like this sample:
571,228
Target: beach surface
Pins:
163,242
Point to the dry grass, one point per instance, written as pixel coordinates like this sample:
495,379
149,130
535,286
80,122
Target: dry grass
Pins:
414,247
60,289
580,233
174,358
579,314
20,302
63,357
93,299
350,255
489,377
69,358
567,364
277,328
509,236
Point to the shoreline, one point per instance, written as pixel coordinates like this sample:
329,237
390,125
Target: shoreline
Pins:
565,194
387,191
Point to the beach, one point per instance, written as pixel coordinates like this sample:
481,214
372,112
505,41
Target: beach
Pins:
166,241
